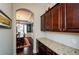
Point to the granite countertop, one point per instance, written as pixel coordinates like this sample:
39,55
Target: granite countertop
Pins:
59,48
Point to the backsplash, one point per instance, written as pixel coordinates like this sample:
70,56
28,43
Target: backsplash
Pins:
69,39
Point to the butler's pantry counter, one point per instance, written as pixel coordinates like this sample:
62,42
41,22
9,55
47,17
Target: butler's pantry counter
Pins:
59,48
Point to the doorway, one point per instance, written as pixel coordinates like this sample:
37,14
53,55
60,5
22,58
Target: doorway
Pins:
24,32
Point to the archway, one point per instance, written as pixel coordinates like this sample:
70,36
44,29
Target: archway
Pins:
24,29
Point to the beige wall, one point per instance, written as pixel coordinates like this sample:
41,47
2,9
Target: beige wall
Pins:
6,37
70,39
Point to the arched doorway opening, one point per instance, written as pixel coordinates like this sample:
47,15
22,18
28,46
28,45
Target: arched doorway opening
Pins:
24,31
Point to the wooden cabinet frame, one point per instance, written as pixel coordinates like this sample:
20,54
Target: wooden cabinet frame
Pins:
65,19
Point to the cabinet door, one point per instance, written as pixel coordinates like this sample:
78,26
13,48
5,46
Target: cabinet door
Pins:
42,49
43,22
71,17
48,21
56,17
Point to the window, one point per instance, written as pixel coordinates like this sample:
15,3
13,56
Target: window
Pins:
22,29
29,27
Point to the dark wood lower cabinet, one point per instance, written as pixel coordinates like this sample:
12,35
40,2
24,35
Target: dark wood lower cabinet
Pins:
44,50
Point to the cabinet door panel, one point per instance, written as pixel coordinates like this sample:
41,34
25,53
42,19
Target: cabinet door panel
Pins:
56,17
48,21
71,20
43,23
42,49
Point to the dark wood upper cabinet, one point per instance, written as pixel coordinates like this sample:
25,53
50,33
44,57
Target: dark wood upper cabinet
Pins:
62,17
43,22
56,18
48,21
71,17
